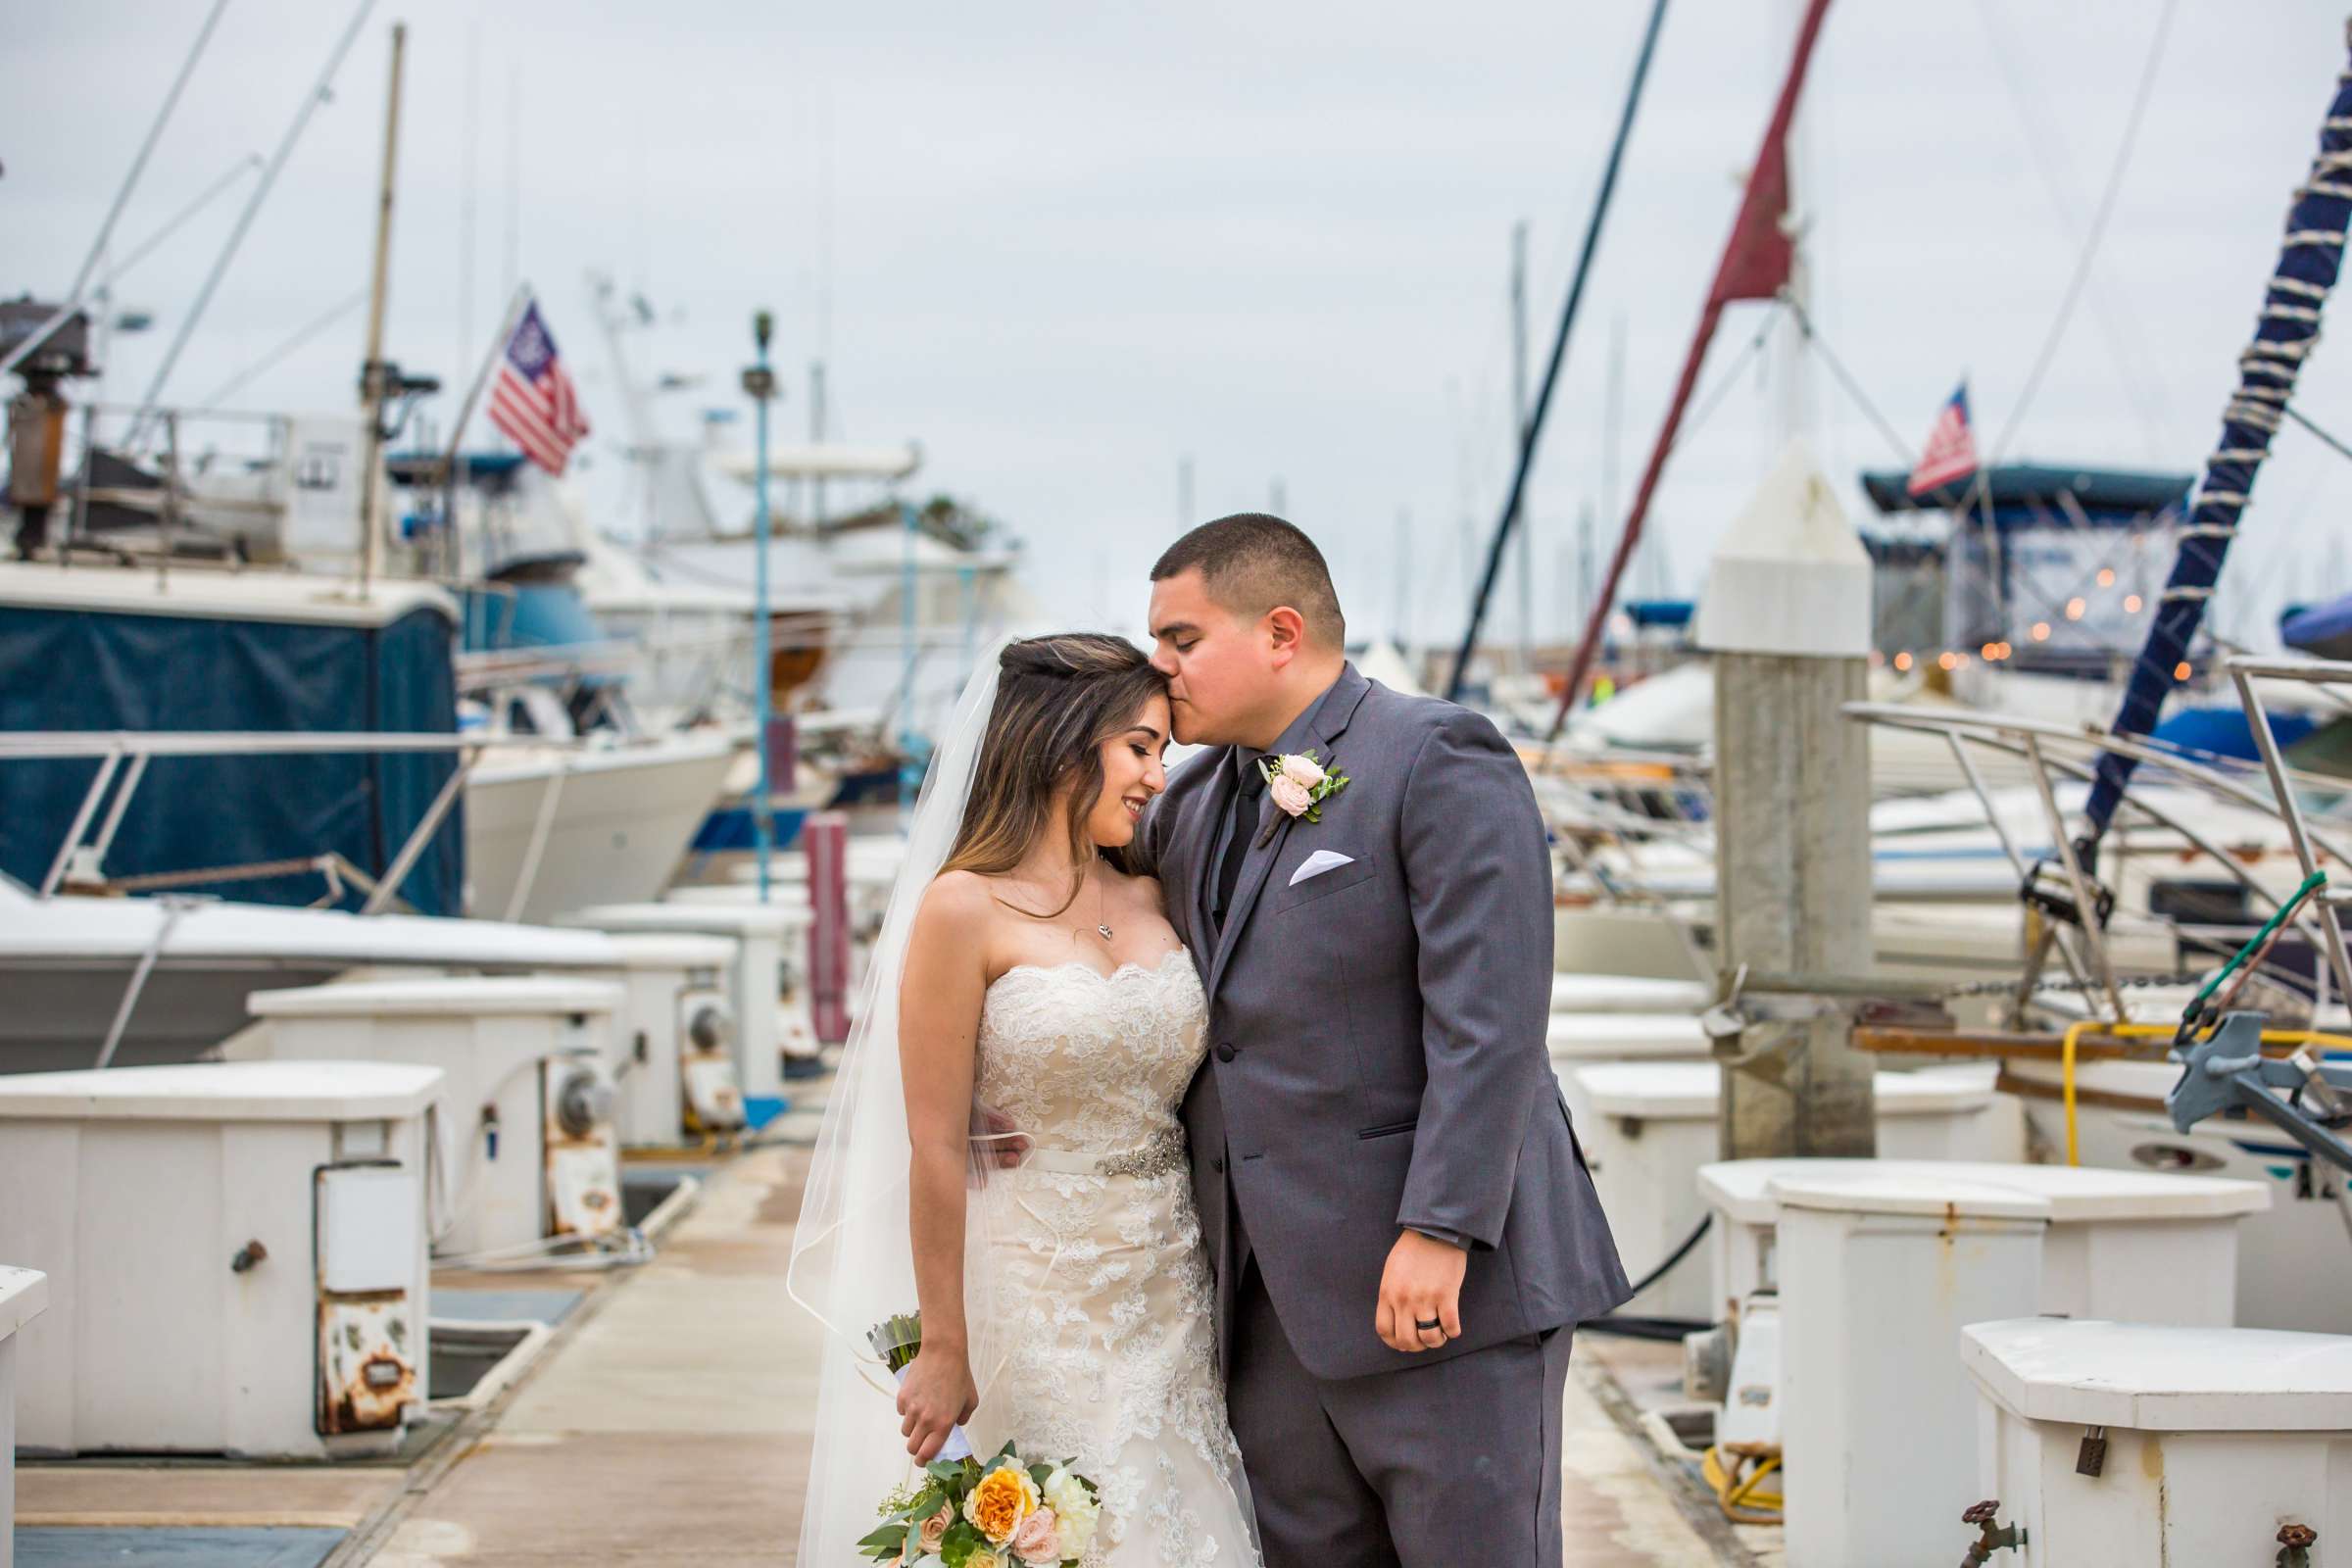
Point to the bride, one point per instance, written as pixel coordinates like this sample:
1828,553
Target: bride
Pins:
1002,1147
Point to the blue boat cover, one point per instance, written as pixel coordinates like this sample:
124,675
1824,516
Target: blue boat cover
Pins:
63,669
2223,731
2324,631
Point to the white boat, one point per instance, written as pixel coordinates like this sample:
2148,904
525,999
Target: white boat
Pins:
551,831
68,965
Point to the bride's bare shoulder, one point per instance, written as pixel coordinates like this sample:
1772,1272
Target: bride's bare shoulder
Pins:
959,900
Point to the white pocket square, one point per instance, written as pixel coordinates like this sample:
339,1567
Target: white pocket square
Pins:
1317,863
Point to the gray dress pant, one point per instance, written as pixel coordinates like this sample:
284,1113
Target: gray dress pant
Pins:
1439,1466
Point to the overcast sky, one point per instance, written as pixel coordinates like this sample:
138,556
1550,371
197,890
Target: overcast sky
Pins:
1067,246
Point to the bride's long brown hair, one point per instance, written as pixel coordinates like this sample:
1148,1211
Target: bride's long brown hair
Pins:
1059,698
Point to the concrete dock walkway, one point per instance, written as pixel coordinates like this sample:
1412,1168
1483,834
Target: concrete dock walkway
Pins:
671,1424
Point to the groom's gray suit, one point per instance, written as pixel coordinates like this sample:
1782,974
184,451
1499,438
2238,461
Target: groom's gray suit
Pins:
1377,1063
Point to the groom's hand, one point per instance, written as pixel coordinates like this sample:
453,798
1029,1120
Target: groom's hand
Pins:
1422,1284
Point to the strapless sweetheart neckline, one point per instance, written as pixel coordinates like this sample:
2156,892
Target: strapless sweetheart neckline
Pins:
1081,963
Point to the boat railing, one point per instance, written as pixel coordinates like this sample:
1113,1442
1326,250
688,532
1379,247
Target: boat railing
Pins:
124,757
2065,887
2331,678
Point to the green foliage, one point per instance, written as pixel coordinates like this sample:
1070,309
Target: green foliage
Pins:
883,1544
964,1546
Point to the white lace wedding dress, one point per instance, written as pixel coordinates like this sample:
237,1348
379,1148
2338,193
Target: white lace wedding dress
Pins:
1109,1357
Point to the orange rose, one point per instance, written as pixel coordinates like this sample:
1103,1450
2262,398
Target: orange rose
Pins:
1003,1498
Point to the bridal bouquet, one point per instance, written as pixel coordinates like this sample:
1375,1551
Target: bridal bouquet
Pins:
1006,1514
966,1514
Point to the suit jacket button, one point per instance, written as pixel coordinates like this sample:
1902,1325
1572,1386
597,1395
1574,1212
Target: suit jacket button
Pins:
1218,1165
1225,1051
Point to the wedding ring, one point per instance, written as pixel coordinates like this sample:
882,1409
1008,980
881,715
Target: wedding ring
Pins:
1427,1323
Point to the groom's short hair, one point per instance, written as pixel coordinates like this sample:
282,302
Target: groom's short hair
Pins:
1250,562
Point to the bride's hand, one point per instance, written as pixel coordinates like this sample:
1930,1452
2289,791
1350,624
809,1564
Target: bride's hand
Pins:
937,1393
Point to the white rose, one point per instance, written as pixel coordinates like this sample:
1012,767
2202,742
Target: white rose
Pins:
1290,796
1303,771
1074,1511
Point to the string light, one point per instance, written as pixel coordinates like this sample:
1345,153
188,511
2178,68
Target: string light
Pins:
2106,577
2132,604
1949,661
1902,660
2041,631
1993,651
2075,609
2180,671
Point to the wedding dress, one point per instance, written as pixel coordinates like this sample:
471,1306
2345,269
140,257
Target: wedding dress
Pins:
1087,1295
1105,1352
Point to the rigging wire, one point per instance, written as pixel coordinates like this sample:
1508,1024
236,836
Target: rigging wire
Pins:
1731,372
2088,254
2331,442
245,378
2125,330
1846,383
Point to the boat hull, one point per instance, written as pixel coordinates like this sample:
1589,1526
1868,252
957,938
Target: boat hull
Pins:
620,823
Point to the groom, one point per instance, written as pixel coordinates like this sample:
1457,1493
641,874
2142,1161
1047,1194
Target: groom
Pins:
1395,1205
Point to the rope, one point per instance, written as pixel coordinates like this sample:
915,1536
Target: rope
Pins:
2261,939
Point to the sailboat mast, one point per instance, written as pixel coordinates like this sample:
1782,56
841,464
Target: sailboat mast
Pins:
372,369
1755,266
2284,333
1534,423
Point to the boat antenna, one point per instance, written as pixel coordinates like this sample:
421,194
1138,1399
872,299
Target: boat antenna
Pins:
311,100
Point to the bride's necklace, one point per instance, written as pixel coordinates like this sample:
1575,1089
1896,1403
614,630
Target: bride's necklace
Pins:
1103,908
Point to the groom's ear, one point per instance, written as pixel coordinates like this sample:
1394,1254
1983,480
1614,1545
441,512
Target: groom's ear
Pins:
1285,631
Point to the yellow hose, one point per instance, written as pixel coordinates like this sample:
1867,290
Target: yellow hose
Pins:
2156,1031
1743,1498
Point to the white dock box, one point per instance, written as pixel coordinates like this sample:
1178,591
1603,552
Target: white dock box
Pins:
2132,1245
23,1292
2217,1441
2293,1268
1876,1277
526,1136
1597,1039
673,1042
235,1253
1651,1125
770,958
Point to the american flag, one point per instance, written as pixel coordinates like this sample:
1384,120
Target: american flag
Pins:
532,400
1951,450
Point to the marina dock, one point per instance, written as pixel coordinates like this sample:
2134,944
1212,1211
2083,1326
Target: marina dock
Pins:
669,1423
455,842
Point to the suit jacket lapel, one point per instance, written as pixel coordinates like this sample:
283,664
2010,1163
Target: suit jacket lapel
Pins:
1214,800
1254,869
1331,719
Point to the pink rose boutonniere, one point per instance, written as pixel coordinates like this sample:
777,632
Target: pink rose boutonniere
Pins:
1300,785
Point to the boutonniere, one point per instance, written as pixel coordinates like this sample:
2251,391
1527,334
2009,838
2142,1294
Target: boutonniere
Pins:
1299,786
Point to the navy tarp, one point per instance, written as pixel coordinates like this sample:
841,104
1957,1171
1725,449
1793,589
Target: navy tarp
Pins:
2324,631
2126,491
81,671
